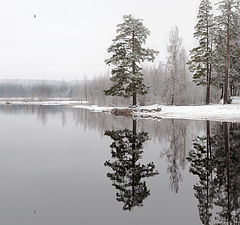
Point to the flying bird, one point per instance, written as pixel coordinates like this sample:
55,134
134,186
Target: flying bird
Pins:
34,16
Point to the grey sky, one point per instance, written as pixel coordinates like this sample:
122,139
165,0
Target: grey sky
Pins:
69,38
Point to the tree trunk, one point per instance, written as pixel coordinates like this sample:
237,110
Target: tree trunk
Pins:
172,100
173,90
210,72
134,69
227,59
222,91
207,77
210,78
208,89
134,98
226,140
208,160
134,155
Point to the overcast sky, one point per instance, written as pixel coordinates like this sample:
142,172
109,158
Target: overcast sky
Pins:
69,38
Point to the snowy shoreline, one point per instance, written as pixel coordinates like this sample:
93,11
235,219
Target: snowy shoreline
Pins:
36,101
215,112
224,113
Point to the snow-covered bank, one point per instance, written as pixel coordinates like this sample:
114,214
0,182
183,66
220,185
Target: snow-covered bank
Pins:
217,112
229,113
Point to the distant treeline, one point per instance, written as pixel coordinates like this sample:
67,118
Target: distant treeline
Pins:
160,92
41,89
157,78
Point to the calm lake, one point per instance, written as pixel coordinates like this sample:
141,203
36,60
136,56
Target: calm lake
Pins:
61,166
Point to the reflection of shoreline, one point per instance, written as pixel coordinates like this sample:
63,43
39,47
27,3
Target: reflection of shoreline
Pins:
215,159
218,171
175,153
127,173
217,112
173,136
82,117
103,121
42,112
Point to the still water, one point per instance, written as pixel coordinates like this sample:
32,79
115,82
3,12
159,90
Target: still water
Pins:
63,166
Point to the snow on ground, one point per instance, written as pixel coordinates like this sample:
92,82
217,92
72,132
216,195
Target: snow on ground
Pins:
95,108
216,112
235,100
229,113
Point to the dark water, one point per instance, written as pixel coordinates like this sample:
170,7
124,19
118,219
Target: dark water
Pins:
63,166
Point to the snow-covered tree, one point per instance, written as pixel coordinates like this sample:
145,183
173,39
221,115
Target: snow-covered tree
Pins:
200,60
177,79
127,55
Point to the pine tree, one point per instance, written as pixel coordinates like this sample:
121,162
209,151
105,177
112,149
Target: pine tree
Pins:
127,56
228,31
128,174
203,164
200,60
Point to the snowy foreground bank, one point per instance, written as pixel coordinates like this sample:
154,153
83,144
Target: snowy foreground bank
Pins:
229,113
217,112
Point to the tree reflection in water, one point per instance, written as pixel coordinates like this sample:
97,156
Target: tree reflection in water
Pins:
215,159
128,174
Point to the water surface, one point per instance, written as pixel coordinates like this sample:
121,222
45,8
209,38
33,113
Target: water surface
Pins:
63,166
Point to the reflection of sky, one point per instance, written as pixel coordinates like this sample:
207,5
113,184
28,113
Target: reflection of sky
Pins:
59,172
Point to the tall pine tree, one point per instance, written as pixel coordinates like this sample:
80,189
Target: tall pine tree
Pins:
127,56
200,60
227,33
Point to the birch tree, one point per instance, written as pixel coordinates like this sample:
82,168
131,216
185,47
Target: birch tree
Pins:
177,79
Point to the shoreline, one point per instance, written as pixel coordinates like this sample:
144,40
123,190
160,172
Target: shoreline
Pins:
214,112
